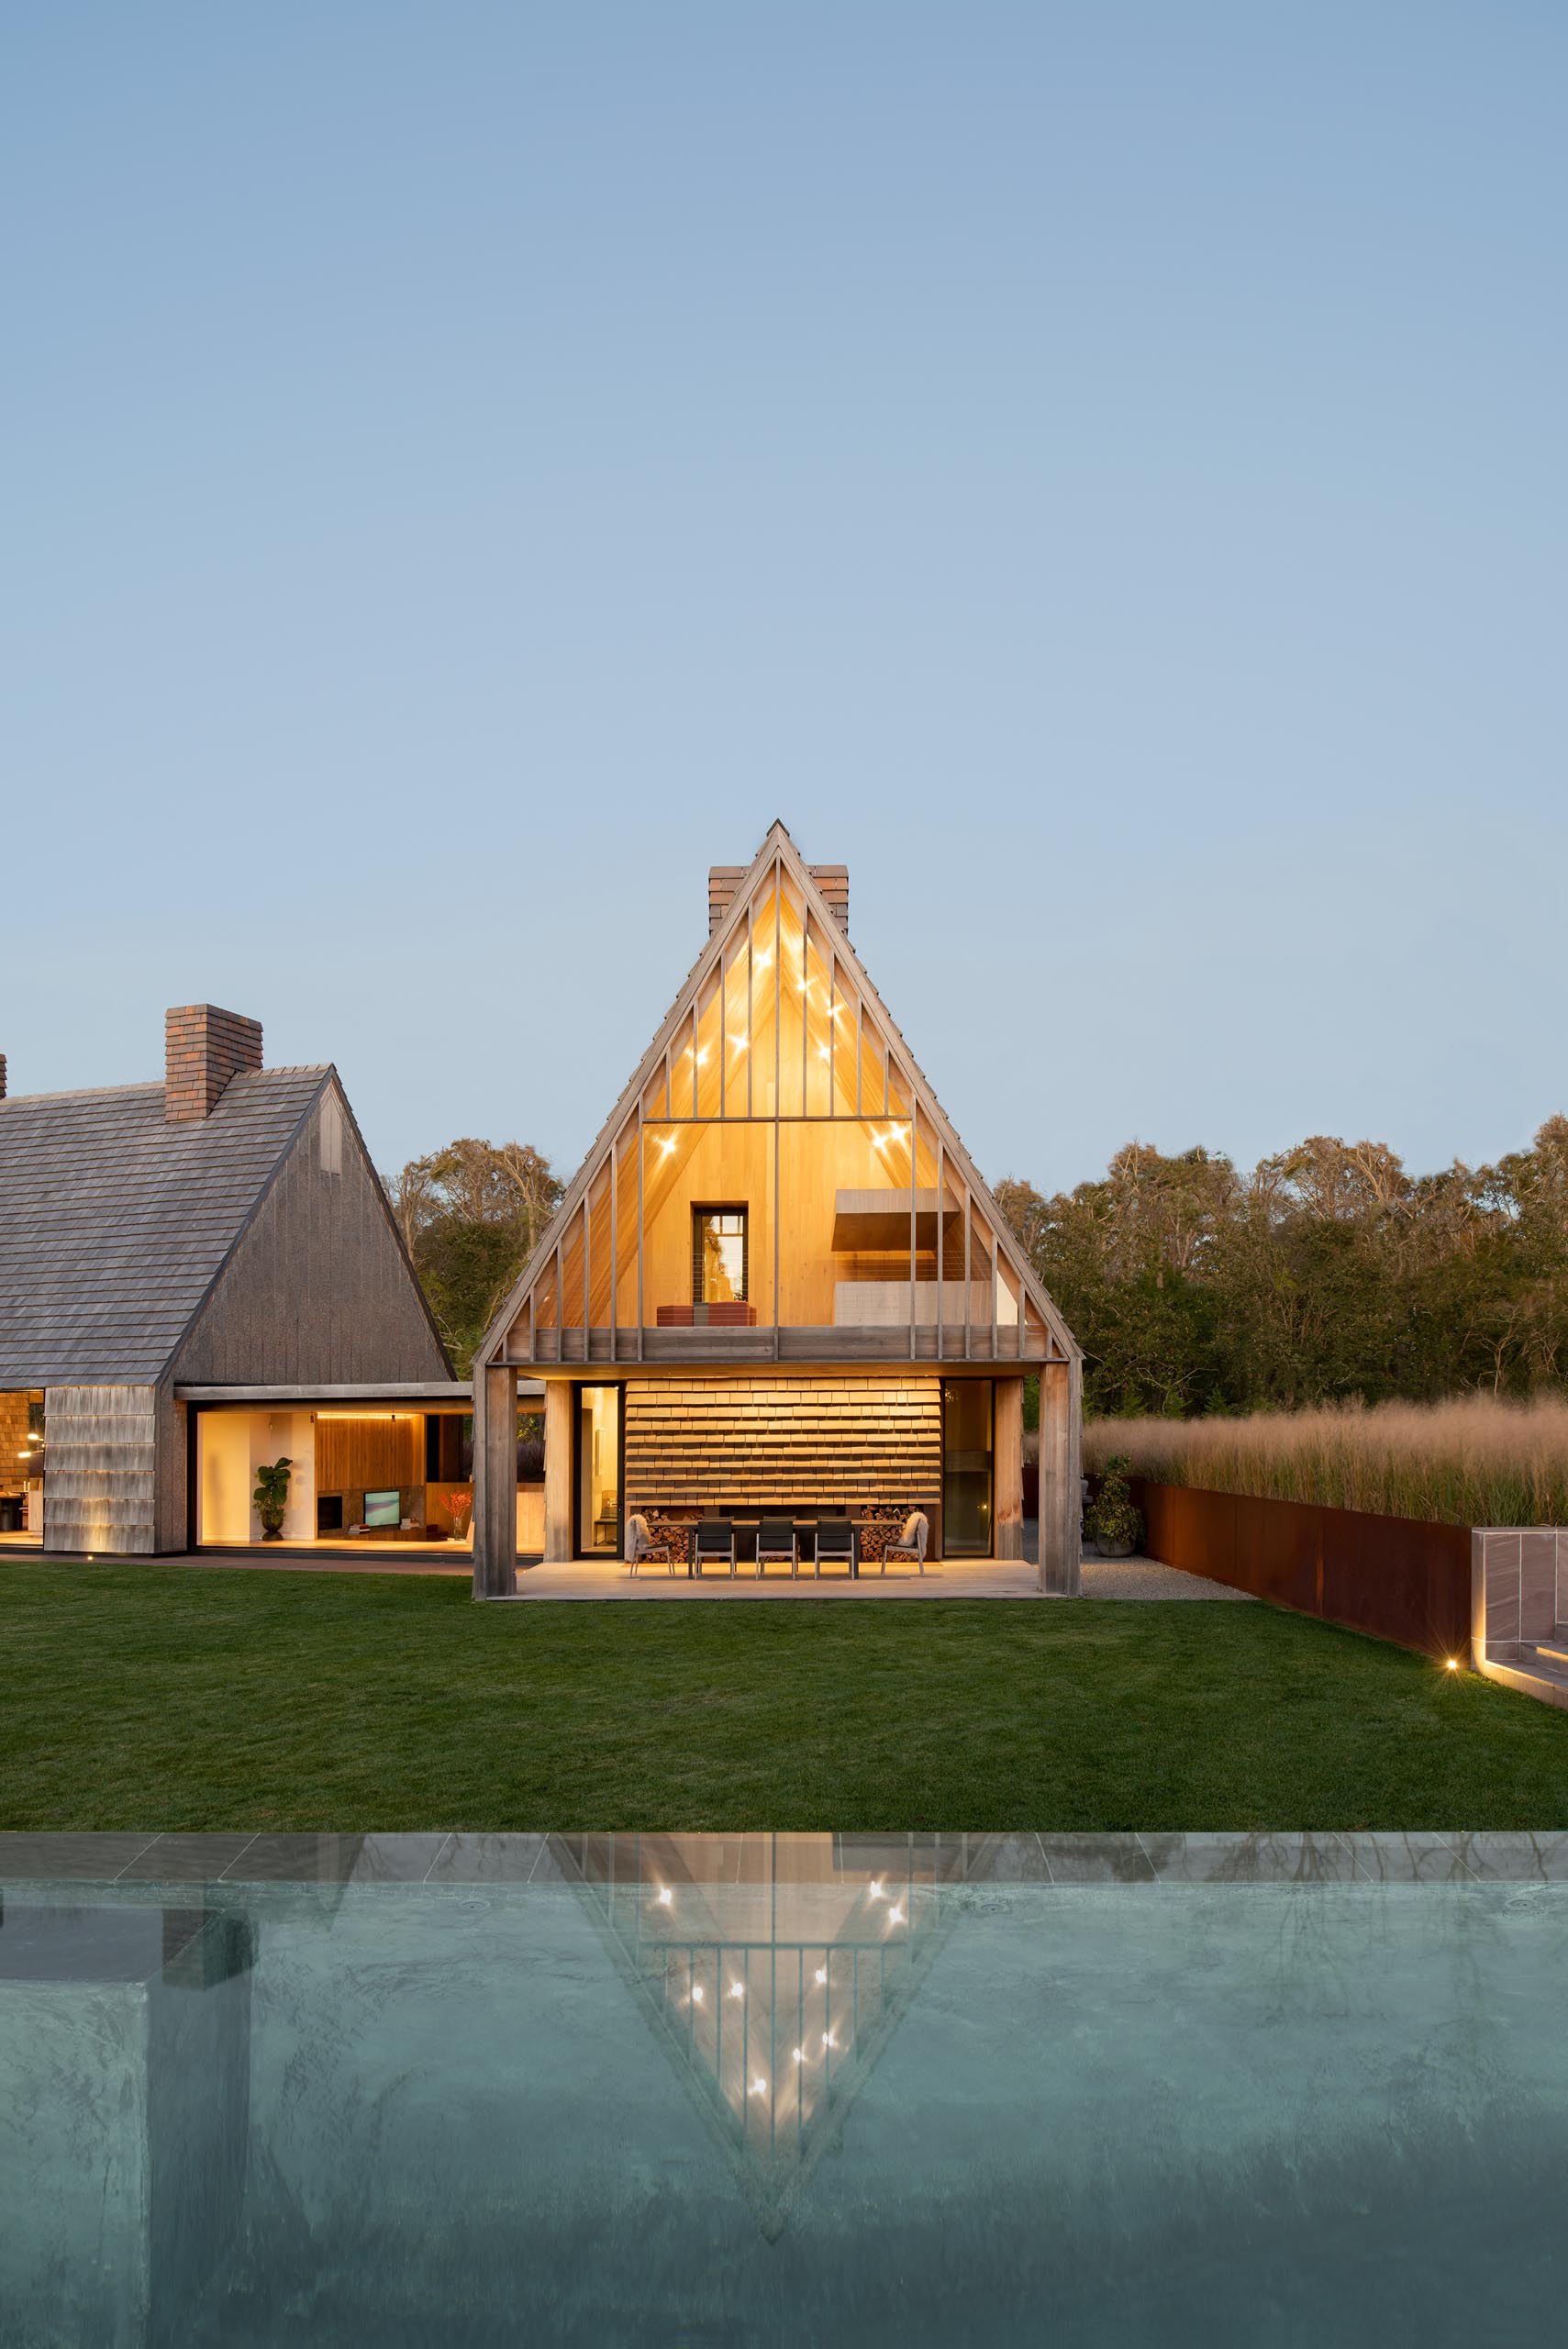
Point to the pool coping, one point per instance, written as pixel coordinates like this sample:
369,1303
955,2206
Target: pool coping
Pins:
455,1857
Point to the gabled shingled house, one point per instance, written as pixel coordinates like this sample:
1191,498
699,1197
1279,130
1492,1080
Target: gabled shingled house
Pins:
222,1231
778,1287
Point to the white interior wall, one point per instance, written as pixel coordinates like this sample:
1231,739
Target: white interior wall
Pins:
231,1446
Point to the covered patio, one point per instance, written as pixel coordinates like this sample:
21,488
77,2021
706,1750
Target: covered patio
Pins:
943,1578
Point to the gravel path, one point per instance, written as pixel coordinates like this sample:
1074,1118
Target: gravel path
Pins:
1146,1578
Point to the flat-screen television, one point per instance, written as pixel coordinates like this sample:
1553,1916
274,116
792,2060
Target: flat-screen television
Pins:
383,1508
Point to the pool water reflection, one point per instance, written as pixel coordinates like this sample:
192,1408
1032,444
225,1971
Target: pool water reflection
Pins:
780,2088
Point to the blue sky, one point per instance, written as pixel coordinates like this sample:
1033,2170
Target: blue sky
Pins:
1097,471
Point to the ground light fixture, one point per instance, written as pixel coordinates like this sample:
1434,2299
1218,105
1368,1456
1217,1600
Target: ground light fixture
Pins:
1453,1664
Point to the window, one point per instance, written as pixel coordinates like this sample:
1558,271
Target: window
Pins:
718,1255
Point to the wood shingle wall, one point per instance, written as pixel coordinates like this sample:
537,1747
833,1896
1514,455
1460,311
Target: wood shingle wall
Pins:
318,1287
101,1484
782,1442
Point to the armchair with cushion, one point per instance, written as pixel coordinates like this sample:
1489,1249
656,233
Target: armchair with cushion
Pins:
911,1541
642,1550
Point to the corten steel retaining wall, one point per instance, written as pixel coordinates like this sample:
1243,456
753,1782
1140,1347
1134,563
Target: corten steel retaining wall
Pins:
1399,1577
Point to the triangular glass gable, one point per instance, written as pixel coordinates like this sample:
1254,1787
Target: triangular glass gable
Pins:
778,1182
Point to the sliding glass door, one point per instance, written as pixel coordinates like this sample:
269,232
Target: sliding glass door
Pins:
967,1420
598,1478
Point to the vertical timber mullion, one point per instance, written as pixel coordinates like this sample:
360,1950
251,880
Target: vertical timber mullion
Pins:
778,1078
913,1213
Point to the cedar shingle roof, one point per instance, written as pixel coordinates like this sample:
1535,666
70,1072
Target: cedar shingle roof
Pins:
113,1222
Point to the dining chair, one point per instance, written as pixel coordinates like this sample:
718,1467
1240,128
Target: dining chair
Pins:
715,1544
836,1544
776,1545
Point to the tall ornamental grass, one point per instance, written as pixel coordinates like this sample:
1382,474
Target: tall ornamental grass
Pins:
1472,1462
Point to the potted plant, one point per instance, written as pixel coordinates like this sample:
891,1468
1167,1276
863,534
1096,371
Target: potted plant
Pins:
270,1498
1112,1523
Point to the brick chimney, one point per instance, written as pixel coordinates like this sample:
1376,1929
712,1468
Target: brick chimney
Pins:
723,880
203,1048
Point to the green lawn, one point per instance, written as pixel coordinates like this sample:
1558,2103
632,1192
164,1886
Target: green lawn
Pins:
165,1697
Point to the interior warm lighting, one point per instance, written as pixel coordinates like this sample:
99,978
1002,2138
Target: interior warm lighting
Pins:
698,1994
874,1889
895,1914
667,1143
666,1896
759,2086
823,1054
822,1974
24,1455
738,1043
799,2054
830,2039
702,1057
738,1990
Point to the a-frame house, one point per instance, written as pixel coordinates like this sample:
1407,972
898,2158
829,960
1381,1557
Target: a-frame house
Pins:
777,1281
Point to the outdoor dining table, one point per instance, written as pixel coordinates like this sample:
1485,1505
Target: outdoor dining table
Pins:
679,1536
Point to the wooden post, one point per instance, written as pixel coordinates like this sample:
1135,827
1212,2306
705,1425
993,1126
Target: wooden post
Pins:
1007,1469
559,1398
495,1480
1059,1553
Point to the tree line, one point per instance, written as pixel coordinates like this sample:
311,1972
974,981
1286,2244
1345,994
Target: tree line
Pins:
471,1215
1325,1272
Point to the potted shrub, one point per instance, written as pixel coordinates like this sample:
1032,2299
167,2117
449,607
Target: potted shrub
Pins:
1112,1523
270,1498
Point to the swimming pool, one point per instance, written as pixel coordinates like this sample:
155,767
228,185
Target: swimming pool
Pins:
807,2088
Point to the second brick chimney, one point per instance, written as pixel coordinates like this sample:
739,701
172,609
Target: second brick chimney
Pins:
203,1048
723,880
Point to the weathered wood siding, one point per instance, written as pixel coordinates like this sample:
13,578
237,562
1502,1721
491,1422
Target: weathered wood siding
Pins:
782,1443
101,1482
318,1287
